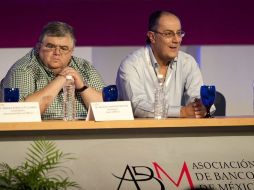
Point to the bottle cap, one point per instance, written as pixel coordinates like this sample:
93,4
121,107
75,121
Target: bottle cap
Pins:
69,77
160,76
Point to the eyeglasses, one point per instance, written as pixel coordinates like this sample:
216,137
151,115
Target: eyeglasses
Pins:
53,47
171,34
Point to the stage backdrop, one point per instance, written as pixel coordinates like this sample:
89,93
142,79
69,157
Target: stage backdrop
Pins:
124,23
155,163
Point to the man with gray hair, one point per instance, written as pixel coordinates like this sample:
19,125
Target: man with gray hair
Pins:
41,74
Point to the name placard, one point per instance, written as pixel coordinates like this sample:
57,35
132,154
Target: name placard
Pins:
20,112
109,111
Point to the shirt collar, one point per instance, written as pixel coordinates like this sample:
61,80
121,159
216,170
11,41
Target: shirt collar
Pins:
152,58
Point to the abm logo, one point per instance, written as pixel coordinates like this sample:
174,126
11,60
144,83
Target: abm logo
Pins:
141,174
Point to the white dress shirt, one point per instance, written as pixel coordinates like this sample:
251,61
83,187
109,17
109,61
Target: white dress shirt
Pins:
137,80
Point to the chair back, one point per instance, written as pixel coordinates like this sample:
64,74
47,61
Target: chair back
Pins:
220,104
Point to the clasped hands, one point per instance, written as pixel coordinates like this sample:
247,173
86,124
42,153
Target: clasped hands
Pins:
78,80
194,109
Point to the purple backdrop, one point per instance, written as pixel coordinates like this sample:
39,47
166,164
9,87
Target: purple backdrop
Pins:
122,23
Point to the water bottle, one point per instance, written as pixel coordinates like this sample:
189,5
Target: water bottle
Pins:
159,98
69,108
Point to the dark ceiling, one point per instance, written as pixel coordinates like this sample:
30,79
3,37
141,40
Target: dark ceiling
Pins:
117,22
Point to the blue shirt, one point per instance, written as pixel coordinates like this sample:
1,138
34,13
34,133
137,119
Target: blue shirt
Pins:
137,80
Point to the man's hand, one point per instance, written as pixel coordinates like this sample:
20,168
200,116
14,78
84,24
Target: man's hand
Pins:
194,109
199,108
78,80
89,95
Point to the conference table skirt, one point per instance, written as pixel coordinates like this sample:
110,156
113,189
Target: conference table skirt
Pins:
146,154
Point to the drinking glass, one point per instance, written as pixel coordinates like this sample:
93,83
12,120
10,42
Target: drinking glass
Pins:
207,94
11,94
109,93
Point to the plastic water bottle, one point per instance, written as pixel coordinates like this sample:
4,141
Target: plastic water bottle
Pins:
69,108
159,98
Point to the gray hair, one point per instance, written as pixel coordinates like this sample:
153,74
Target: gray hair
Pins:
57,29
